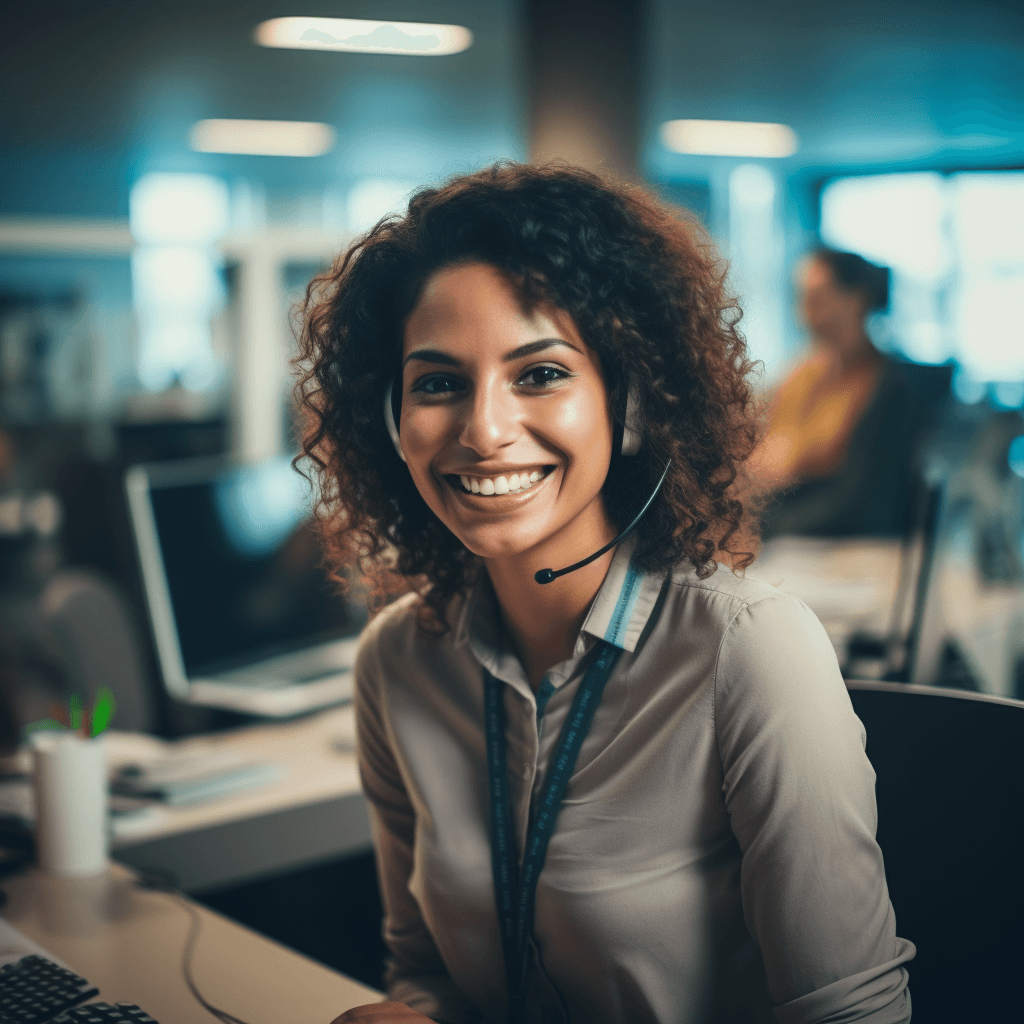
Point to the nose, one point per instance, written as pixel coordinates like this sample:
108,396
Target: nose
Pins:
490,419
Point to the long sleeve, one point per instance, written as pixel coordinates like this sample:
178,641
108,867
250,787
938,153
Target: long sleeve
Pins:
799,791
415,974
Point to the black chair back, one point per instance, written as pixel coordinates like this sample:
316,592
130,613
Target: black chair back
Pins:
950,786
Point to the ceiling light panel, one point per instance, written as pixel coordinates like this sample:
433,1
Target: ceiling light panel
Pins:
352,35
730,138
263,138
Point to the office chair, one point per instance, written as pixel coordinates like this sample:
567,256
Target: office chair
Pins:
950,788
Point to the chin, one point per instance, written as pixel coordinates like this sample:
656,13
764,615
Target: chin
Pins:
491,547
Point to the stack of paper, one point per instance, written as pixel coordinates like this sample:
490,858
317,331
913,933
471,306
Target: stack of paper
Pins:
189,778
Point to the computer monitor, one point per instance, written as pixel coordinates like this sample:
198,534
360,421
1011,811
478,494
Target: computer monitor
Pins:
233,572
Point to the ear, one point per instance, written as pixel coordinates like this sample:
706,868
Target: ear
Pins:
389,420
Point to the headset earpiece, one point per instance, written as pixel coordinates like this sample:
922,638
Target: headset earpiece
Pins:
390,419
630,427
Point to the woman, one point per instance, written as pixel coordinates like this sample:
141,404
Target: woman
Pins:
712,852
821,401
845,425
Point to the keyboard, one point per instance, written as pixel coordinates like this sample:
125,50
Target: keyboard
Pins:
35,990
104,1013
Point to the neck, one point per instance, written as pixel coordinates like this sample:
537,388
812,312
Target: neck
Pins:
544,621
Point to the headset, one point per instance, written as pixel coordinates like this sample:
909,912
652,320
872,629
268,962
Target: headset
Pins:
625,442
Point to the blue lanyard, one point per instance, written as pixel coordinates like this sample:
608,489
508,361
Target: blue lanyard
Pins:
516,896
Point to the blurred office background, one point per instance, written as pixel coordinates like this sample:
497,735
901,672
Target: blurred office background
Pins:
152,249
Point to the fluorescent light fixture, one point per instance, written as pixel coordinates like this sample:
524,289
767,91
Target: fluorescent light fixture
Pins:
730,138
355,36
263,138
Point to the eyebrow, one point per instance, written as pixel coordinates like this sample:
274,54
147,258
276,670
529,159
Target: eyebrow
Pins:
432,355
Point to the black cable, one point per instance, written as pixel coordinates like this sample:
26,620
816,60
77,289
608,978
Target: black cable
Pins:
165,883
186,963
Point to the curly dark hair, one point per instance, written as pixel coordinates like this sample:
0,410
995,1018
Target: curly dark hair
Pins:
647,292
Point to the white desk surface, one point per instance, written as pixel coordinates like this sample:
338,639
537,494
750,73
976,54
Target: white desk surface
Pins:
313,813
129,943
316,755
850,584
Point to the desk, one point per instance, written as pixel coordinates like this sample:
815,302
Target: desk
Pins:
316,812
851,584
129,943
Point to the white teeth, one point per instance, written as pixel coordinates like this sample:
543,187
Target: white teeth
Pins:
512,484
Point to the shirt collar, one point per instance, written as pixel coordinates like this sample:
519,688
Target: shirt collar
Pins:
618,614
624,603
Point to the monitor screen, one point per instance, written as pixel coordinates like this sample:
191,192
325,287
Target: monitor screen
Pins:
243,565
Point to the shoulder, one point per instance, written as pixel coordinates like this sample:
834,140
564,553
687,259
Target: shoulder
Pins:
396,636
727,593
765,639
394,625
774,667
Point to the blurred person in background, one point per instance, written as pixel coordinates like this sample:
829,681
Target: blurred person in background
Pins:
845,425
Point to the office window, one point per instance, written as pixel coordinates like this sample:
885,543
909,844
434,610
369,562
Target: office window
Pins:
756,250
955,245
177,219
67,336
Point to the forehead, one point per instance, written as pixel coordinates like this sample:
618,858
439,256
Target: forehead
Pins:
475,306
816,273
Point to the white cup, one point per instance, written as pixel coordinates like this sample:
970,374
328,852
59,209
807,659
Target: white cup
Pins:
71,804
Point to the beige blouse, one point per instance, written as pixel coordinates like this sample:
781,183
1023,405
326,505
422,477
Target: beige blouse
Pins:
715,854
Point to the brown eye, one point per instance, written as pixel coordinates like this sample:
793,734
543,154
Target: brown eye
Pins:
437,384
540,376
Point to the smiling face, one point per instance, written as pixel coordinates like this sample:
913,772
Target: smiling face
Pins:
505,421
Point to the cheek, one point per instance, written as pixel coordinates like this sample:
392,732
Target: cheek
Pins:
851,308
591,418
814,304
424,430
581,427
